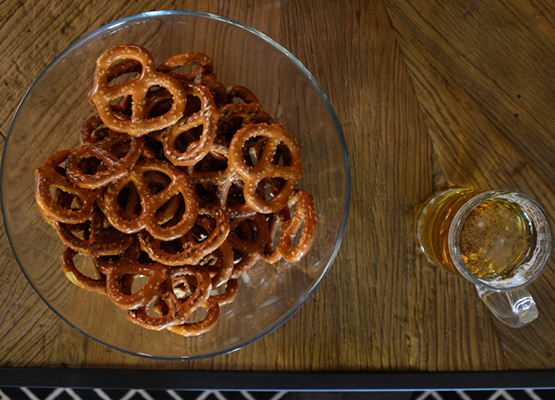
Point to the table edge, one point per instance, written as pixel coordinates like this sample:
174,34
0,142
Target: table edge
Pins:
275,381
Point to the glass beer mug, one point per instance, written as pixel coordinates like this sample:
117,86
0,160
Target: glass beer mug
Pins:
499,240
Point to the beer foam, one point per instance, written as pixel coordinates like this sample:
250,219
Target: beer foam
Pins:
526,272
494,239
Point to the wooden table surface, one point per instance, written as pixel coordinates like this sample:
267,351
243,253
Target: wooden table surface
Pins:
429,93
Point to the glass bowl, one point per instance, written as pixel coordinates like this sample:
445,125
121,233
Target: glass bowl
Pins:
51,113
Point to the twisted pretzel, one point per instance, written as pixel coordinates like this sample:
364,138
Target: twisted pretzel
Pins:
189,250
229,294
248,237
173,310
197,328
271,252
274,136
102,94
117,70
151,203
120,290
204,75
195,149
301,206
97,239
205,64
51,174
304,216
223,181
112,165
219,264
95,285
241,93
235,116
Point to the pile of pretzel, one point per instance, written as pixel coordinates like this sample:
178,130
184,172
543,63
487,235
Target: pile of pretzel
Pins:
177,188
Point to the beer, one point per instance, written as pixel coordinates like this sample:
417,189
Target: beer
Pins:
434,224
495,237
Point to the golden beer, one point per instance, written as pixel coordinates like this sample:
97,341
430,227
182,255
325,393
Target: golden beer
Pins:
492,238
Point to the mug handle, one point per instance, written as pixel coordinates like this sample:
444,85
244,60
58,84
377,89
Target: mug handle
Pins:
516,308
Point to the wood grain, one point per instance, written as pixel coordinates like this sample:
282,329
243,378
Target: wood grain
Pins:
428,94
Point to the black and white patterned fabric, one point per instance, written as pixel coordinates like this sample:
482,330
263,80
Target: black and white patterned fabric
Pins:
24,393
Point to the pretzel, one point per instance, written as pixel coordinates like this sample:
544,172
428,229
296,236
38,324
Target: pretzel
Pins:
216,87
219,264
93,131
228,295
194,149
174,311
241,93
304,216
203,75
205,64
51,174
197,328
235,116
120,290
130,205
117,70
275,135
223,181
112,165
97,240
249,234
180,184
271,253
189,250
248,237
95,285
137,124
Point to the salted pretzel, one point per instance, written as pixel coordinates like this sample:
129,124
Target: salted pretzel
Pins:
304,216
51,174
193,149
299,216
121,290
237,92
274,135
248,237
216,87
116,152
220,181
235,116
130,204
92,284
219,264
187,249
125,68
271,253
151,203
102,94
173,310
94,238
228,294
92,131
191,58
203,75
197,328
